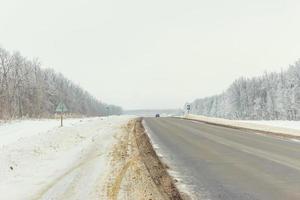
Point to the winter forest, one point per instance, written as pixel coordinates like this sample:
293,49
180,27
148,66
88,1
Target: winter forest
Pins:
27,90
272,96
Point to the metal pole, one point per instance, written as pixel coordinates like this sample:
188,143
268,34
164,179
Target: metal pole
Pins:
61,119
107,111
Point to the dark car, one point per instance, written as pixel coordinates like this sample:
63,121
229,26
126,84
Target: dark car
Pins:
157,115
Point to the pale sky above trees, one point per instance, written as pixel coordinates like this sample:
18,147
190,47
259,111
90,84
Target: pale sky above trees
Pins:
154,54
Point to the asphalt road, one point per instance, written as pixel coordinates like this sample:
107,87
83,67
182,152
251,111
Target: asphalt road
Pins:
224,163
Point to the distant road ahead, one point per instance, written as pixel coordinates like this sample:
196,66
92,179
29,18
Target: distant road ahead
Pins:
230,164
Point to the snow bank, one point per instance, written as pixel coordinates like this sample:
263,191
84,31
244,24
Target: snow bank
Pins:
277,123
40,160
291,128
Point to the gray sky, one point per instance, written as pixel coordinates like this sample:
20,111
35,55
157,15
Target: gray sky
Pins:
158,53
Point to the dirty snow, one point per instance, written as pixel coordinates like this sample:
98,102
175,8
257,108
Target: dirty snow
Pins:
280,127
40,160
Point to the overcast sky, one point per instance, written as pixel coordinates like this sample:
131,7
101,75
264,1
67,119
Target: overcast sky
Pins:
158,53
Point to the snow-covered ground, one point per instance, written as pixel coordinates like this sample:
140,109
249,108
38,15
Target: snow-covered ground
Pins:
40,160
277,123
14,130
278,127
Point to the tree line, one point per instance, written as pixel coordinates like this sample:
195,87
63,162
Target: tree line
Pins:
272,96
27,90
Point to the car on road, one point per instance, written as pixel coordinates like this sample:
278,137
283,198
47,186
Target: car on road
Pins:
157,115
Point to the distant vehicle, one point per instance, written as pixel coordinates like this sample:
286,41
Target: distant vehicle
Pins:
157,115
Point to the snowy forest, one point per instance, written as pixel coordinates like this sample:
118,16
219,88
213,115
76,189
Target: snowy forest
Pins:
272,96
27,90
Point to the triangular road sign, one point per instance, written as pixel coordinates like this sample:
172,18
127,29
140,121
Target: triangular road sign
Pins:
61,108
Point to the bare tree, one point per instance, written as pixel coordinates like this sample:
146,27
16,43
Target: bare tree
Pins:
28,90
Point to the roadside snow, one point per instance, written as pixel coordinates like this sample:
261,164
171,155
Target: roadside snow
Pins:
279,127
40,160
13,131
278,123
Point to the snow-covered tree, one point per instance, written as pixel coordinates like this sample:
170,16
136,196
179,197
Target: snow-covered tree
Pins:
271,96
28,90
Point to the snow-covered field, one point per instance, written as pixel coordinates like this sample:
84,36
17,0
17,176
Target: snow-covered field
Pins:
279,127
40,160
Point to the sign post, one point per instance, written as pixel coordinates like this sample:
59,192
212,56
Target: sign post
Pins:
188,107
107,111
61,108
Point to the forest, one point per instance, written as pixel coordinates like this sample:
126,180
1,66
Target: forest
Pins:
27,90
272,96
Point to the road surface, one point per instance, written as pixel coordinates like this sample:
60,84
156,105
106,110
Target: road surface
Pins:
224,163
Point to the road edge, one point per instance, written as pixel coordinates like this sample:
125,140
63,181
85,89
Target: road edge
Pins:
156,168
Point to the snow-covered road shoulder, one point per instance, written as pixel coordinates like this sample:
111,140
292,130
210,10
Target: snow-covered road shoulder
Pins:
278,128
39,160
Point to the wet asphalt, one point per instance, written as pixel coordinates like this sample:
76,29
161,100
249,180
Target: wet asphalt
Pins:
229,164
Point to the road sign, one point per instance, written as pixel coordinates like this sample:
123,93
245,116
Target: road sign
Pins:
61,108
188,107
